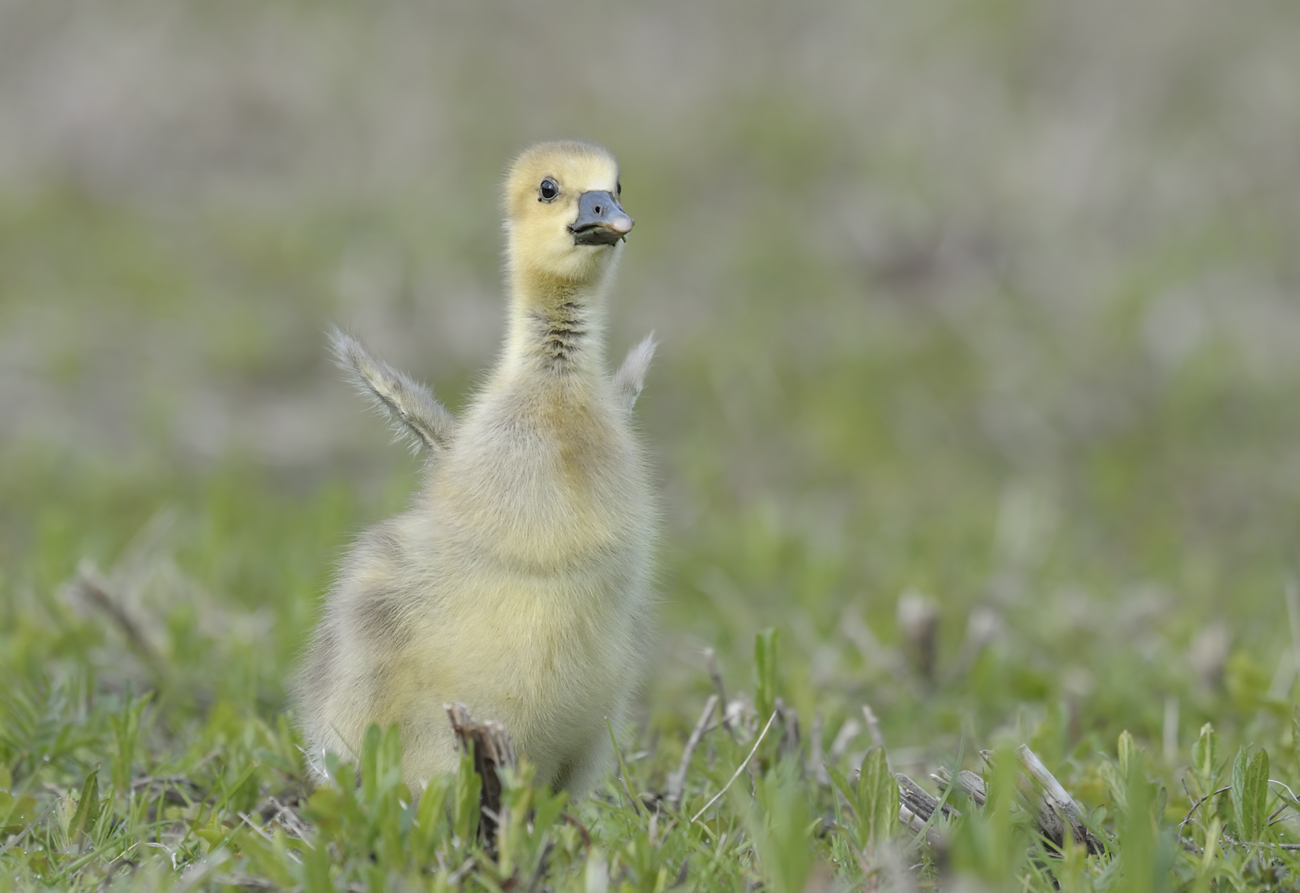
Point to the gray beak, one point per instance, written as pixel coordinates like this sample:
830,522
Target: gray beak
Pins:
601,220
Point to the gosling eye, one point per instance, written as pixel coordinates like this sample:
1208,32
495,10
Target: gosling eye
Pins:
618,189
548,191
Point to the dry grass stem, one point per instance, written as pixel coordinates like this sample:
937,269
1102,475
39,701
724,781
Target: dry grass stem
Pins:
490,745
817,757
724,706
739,769
95,594
677,780
918,825
1059,801
967,783
843,738
873,729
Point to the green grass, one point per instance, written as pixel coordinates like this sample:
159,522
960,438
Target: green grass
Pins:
170,769
990,306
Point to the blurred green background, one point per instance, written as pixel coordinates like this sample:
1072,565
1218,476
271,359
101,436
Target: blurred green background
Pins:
993,302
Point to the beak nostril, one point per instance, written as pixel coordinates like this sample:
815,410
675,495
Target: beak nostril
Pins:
600,220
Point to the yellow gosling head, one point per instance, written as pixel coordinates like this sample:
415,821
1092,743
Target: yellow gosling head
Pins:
563,216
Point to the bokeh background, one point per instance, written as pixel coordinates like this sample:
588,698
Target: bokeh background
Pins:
989,303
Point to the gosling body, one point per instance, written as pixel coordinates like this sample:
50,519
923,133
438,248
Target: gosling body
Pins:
519,581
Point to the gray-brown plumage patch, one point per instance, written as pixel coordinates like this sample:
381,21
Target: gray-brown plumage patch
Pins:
382,617
563,776
564,332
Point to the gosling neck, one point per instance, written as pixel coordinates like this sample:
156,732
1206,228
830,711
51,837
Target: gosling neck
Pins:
556,327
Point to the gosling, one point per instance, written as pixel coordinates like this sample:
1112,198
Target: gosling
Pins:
518,582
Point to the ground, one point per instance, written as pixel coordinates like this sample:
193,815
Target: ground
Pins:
981,315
